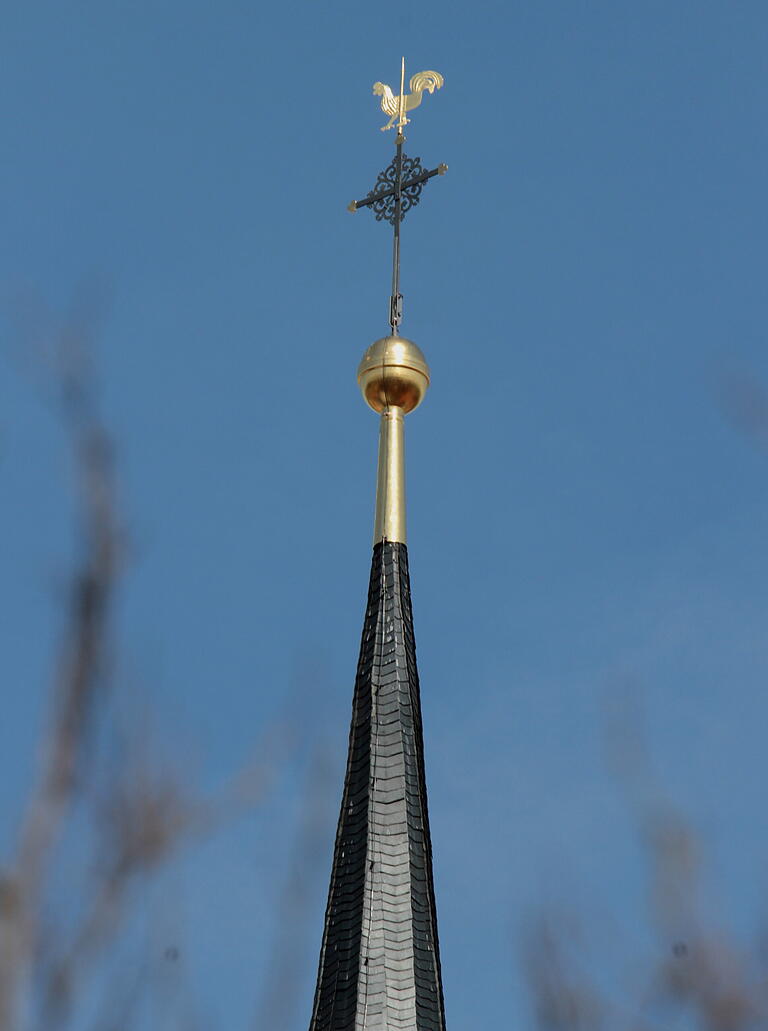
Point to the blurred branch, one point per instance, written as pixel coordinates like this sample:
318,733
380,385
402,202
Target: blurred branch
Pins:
282,988
564,1000
744,401
142,813
79,679
698,974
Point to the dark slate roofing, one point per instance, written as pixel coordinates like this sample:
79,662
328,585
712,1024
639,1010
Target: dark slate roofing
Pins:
379,961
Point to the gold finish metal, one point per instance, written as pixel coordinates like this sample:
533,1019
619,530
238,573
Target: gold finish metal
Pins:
393,373
393,377
396,106
402,120
389,523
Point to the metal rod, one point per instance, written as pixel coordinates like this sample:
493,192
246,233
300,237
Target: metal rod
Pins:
401,100
395,302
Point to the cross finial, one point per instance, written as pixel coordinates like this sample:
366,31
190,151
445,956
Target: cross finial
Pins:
399,186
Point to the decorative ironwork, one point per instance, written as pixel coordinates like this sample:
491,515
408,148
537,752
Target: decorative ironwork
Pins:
383,197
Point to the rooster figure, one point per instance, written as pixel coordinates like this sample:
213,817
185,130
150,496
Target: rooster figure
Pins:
390,104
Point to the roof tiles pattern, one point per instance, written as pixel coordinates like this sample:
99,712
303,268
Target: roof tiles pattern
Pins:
379,960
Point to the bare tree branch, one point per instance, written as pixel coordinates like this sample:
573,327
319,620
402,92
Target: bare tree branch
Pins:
80,678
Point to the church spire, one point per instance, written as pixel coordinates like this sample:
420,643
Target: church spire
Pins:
379,960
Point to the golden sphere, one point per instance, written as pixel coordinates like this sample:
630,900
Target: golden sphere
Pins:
393,372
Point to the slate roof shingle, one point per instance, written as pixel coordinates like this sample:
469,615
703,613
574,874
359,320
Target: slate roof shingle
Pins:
379,961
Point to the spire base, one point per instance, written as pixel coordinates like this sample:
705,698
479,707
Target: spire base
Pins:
380,960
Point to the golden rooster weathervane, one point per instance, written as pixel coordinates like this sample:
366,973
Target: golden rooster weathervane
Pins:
398,188
396,107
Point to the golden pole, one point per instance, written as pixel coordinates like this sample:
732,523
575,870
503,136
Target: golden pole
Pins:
401,100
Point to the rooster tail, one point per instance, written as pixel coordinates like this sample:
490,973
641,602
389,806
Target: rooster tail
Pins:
425,80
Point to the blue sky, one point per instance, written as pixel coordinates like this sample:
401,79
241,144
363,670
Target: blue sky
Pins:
587,501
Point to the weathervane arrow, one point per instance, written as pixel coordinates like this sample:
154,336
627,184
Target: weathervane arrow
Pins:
398,188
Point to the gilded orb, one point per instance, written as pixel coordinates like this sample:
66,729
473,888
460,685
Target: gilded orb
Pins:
393,373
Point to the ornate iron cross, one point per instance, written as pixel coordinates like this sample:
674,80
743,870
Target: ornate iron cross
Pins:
398,188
